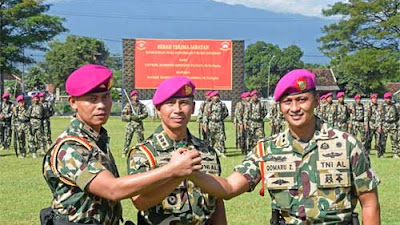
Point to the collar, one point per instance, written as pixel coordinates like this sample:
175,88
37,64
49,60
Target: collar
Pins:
79,125
166,143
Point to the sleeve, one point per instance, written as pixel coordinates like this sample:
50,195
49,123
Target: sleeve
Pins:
137,162
78,164
363,176
143,112
250,169
246,114
126,117
225,110
200,114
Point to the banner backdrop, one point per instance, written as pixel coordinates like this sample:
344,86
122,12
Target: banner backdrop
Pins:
208,63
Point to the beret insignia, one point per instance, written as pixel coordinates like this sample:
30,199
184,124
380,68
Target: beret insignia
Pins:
301,84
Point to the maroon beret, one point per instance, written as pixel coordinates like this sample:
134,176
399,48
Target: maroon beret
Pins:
214,93
357,96
295,82
340,94
175,87
6,95
387,95
19,98
374,95
87,79
134,92
255,92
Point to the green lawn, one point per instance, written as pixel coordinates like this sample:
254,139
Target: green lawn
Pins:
23,191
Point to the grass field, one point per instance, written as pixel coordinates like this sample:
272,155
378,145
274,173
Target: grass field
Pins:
23,191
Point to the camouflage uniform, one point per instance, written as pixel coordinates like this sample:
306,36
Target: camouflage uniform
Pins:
319,111
22,126
217,112
187,204
135,123
375,117
78,165
48,111
389,127
359,118
277,119
329,113
311,183
254,117
204,107
238,120
5,124
36,115
341,117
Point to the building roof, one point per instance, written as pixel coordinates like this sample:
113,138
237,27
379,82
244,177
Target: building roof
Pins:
326,80
393,86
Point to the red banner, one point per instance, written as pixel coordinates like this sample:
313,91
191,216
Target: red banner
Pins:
208,63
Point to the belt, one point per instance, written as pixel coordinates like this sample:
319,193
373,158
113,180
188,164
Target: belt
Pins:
216,120
256,120
359,120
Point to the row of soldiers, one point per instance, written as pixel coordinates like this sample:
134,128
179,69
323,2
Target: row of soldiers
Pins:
29,124
371,120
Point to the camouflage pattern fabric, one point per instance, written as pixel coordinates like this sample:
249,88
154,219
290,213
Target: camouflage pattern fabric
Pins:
20,120
359,122
341,117
329,111
254,117
398,126
187,204
239,121
48,111
389,128
374,120
5,124
203,111
277,119
319,111
312,183
36,116
80,165
215,122
135,123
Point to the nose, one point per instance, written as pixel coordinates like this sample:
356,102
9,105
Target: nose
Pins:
177,107
294,106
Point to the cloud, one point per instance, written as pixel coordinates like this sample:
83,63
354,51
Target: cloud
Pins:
302,7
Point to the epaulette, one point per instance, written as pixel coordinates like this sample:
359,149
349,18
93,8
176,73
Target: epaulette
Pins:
54,153
146,151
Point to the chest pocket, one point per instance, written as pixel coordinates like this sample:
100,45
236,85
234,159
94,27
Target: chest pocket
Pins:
333,176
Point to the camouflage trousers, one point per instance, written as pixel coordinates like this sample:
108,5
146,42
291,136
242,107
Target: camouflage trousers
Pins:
389,130
358,127
24,136
255,133
216,134
276,127
37,139
342,126
372,132
47,131
131,128
5,134
241,139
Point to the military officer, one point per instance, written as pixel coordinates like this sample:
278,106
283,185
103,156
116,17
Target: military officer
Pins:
341,115
48,111
133,114
313,172
277,120
374,123
178,201
319,110
389,126
359,120
36,115
329,109
238,121
20,120
217,112
80,169
5,121
254,117
202,113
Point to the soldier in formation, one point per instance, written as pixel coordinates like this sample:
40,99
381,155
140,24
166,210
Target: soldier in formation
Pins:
374,124
254,119
48,111
329,109
320,108
134,113
5,121
277,121
238,122
21,126
389,126
341,114
36,116
313,172
215,129
179,200
80,169
204,106
359,120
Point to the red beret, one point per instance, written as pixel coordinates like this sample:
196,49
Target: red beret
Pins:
295,82
357,96
88,78
207,93
6,95
387,95
254,92
374,95
322,97
340,94
328,95
175,87
214,93
19,98
134,92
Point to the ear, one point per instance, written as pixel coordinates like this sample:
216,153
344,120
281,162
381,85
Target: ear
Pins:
158,110
73,103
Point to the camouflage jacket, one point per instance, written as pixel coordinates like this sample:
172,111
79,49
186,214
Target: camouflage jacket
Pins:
137,117
187,204
276,115
36,115
390,116
329,110
239,112
375,114
202,111
6,111
80,165
255,112
311,183
20,115
359,113
48,110
217,112
341,113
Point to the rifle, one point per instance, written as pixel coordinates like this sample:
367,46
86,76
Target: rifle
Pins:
15,141
130,102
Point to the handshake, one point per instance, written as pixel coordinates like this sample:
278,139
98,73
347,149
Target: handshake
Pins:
183,162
